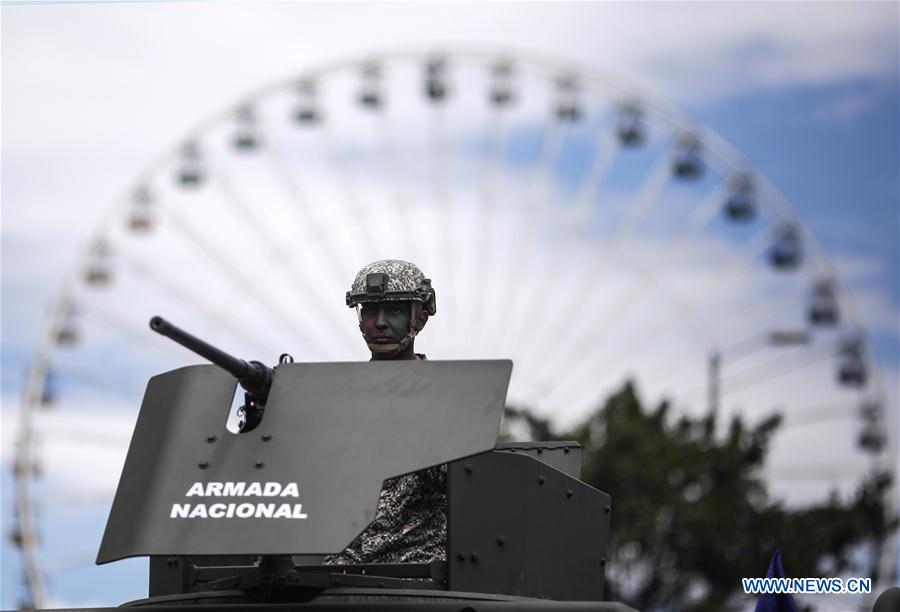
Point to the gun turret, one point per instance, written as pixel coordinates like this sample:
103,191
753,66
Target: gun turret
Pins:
253,376
245,521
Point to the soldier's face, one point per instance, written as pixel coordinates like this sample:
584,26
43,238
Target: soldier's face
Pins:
385,323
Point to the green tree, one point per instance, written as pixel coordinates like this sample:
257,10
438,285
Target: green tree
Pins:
691,514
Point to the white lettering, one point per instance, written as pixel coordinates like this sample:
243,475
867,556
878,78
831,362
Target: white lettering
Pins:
288,511
253,489
271,489
217,511
284,511
199,511
196,489
247,510
264,510
242,489
234,489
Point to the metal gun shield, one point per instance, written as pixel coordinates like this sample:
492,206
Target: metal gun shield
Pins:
334,430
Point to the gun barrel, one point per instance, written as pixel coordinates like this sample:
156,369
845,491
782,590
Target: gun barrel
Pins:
238,368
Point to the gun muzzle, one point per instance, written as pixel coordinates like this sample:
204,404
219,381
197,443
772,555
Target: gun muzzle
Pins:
253,376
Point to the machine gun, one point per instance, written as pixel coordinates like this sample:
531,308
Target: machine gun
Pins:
253,376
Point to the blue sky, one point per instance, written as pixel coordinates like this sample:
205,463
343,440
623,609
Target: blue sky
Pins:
807,92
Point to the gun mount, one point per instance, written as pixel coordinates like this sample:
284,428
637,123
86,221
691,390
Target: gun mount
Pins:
246,518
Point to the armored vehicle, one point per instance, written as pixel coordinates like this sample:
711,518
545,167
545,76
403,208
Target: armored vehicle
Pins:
243,520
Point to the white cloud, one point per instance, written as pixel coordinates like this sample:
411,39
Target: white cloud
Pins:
725,48
844,107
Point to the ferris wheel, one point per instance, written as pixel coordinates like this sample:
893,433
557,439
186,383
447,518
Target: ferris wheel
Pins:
577,225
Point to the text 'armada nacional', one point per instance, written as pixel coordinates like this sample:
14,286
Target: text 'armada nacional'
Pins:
266,509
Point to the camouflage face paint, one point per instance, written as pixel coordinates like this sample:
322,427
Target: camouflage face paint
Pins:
384,325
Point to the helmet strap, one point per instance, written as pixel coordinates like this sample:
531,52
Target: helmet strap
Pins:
387,349
414,309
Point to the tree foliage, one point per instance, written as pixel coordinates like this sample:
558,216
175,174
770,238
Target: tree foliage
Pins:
691,515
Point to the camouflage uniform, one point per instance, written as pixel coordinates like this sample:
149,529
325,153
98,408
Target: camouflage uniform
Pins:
410,524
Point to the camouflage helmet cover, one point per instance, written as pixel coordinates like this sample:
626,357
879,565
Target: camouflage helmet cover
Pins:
391,280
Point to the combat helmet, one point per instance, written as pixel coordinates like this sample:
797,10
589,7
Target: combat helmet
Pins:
393,280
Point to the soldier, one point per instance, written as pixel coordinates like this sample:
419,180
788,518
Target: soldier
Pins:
393,300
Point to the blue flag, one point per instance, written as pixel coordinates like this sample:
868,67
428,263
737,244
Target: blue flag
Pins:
776,602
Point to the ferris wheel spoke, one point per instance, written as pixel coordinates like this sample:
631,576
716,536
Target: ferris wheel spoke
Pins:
699,218
362,220
633,215
240,210
74,499
756,341
442,229
735,265
81,436
818,414
773,369
730,354
584,205
503,267
639,207
539,199
767,372
401,197
143,272
221,261
489,252
97,378
277,260
483,318
729,272
519,254
578,217
683,307
125,328
332,259
440,156
746,346
646,275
